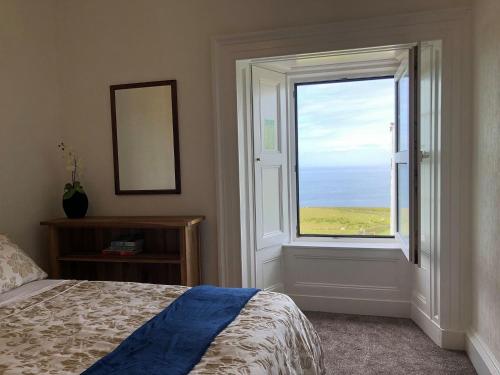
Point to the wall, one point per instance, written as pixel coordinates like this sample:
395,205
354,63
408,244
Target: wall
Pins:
110,42
351,280
29,130
486,168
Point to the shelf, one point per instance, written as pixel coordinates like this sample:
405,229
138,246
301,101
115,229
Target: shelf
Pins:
140,258
135,222
171,249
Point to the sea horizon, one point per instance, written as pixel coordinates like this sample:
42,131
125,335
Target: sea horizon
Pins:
345,186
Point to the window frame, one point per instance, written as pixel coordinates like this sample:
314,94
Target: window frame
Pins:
293,83
411,157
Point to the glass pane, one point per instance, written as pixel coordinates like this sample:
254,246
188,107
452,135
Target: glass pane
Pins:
344,145
270,135
403,201
269,116
403,112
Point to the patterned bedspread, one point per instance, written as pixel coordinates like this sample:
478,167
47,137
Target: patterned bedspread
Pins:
67,328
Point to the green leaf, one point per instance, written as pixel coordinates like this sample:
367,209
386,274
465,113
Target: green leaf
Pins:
78,187
68,193
71,189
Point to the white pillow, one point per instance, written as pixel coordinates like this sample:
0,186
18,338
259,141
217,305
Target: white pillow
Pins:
16,268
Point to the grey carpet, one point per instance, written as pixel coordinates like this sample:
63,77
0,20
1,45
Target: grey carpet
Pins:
355,344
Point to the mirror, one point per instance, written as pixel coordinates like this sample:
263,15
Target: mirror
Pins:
145,138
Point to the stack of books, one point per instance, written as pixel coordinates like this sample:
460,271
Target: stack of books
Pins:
125,245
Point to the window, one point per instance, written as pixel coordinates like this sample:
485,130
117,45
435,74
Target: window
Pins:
344,150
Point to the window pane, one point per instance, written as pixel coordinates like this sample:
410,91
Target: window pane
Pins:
270,135
269,119
344,146
403,112
403,201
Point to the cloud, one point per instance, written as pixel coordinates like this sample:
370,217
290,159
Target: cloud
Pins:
345,123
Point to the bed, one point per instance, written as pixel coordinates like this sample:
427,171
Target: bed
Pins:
65,326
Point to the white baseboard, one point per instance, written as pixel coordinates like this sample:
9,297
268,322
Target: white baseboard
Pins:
358,306
447,339
480,355
426,324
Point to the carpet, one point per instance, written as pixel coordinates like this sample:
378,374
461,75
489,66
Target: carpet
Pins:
355,344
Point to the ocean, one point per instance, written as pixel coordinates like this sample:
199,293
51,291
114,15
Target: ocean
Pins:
363,186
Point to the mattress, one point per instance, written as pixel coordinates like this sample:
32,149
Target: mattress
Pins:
63,327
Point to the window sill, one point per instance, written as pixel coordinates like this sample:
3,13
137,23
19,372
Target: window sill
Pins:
346,245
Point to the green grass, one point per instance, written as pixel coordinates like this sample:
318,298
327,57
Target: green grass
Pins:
345,221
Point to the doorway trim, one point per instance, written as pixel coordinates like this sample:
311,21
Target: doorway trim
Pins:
452,27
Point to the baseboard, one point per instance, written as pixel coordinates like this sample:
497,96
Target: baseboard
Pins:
343,305
480,355
426,324
446,339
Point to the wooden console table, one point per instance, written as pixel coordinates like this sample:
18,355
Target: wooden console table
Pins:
171,250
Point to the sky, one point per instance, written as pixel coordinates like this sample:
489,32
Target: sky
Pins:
345,123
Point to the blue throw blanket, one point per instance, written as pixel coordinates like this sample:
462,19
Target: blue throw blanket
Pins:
174,341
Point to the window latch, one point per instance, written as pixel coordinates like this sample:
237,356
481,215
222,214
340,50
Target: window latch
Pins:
424,155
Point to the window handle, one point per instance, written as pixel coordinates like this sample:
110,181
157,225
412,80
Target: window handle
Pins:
257,159
424,155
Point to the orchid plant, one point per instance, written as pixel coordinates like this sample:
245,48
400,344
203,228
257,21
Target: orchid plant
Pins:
74,164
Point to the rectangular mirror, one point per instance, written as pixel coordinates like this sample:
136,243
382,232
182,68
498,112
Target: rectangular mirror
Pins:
145,138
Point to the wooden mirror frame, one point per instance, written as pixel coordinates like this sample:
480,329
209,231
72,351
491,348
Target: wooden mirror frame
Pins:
175,129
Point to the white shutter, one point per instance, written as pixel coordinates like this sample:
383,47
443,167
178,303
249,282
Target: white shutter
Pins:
270,168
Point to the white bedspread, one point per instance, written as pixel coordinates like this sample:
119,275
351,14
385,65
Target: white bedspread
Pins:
63,327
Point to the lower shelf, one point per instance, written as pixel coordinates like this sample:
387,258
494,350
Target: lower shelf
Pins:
140,258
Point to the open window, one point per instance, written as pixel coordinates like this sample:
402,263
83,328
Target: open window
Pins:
331,150
344,141
357,154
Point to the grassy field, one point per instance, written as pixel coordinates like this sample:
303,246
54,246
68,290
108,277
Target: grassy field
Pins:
345,220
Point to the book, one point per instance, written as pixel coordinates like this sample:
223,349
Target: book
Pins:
121,252
137,246
134,241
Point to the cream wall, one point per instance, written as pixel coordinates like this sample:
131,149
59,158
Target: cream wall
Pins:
486,181
30,188
110,42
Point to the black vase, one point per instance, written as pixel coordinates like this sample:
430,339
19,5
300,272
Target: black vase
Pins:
76,206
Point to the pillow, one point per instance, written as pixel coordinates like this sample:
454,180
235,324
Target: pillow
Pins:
16,268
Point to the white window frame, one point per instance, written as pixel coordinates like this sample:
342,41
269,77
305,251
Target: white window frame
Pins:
331,241
449,246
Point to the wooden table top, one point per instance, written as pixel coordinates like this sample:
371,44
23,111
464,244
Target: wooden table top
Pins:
127,221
